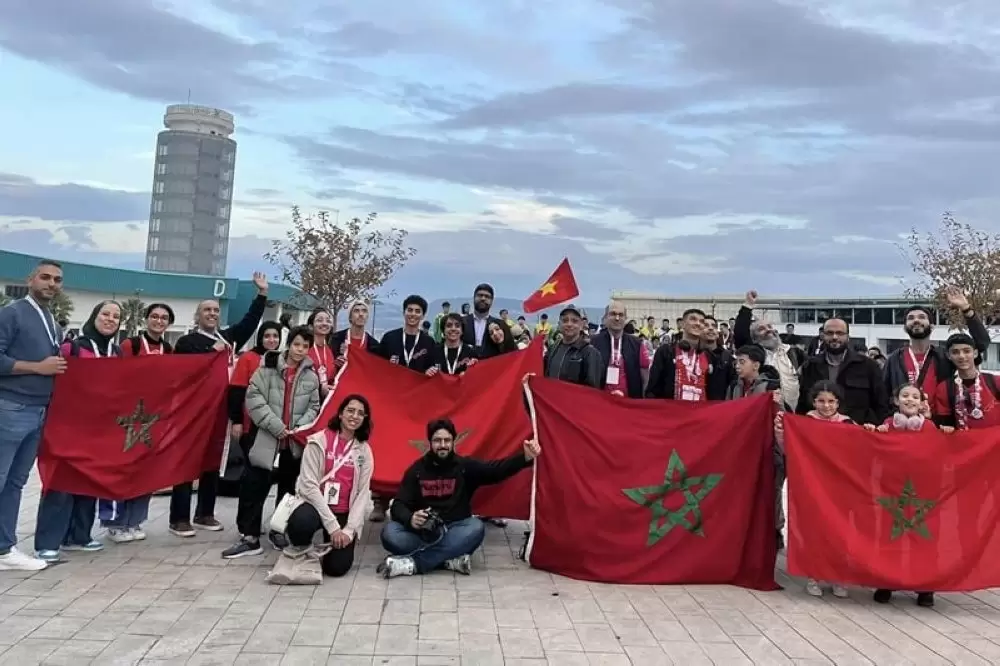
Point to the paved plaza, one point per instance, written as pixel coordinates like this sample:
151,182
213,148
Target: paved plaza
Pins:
175,601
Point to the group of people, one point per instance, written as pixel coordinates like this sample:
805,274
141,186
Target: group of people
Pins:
323,497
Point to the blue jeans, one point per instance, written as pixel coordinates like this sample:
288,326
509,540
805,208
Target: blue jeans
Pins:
64,520
126,514
462,538
20,433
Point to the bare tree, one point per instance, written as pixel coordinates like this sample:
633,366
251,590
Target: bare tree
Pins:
337,262
956,254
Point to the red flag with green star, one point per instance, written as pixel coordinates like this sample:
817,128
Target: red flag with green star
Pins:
899,510
653,491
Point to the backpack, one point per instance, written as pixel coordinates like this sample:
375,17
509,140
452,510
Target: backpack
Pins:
136,340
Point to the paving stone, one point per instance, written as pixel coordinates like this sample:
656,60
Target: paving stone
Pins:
169,601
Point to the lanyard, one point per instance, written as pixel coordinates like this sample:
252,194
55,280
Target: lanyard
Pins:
149,351
322,353
218,338
49,330
97,350
616,353
917,367
407,356
339,460
448,364
364,341
691,364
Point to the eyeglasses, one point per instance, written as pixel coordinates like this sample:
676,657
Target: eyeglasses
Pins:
159,318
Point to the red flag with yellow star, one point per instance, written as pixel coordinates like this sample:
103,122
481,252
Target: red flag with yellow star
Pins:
559,288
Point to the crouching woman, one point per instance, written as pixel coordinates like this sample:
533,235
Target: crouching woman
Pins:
334,484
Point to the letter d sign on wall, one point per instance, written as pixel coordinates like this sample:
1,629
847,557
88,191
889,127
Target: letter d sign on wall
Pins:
220,289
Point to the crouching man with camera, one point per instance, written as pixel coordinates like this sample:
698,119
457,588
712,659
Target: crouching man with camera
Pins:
431,524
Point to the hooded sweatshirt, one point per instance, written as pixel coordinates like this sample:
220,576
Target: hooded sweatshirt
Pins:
92,343
246,365
447,486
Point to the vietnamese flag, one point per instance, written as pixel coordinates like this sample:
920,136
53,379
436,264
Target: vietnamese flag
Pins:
559,288
119,428
653,492
486,404
900,511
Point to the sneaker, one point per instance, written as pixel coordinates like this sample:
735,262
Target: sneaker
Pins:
496,522
137,534
461,564
378,513
48,556
882,596
840,591
395,565
182,529
813,588
207,523
91,546
278,540
925,599
120,534
245,546
15,560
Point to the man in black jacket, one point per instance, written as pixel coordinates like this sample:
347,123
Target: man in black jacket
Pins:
920,362
207,338
409,346
432,523
699,379
573,359
477,324
865,399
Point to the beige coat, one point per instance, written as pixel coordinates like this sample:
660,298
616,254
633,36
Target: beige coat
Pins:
314,469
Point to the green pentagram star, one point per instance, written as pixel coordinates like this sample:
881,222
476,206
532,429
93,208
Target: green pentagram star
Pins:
137,427
897,506
422,445
693,488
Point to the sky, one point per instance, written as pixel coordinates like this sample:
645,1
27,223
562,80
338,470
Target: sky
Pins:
669,147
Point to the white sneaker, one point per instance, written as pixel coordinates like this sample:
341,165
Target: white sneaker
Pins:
120,534
15,560
840,591
396,566
138,534
813,588
461,564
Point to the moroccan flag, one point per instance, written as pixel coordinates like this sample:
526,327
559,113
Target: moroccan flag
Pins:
653,491
486,404
559,288
901,511
119,428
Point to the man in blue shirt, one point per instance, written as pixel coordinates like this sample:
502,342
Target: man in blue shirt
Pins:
29,361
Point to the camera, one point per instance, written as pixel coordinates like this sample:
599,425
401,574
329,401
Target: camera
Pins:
433,523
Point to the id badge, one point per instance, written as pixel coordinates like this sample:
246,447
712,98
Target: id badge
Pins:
613,375
277,456
333,493
692,393
322,375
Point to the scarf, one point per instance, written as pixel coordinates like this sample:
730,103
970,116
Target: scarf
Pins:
100,344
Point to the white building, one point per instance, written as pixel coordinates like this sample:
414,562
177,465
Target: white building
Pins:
873,322
86,286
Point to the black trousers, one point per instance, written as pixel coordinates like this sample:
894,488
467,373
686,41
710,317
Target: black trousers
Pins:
303,525
255,484
180,498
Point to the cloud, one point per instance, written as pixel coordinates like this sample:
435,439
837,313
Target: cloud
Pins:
661,145
21,196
